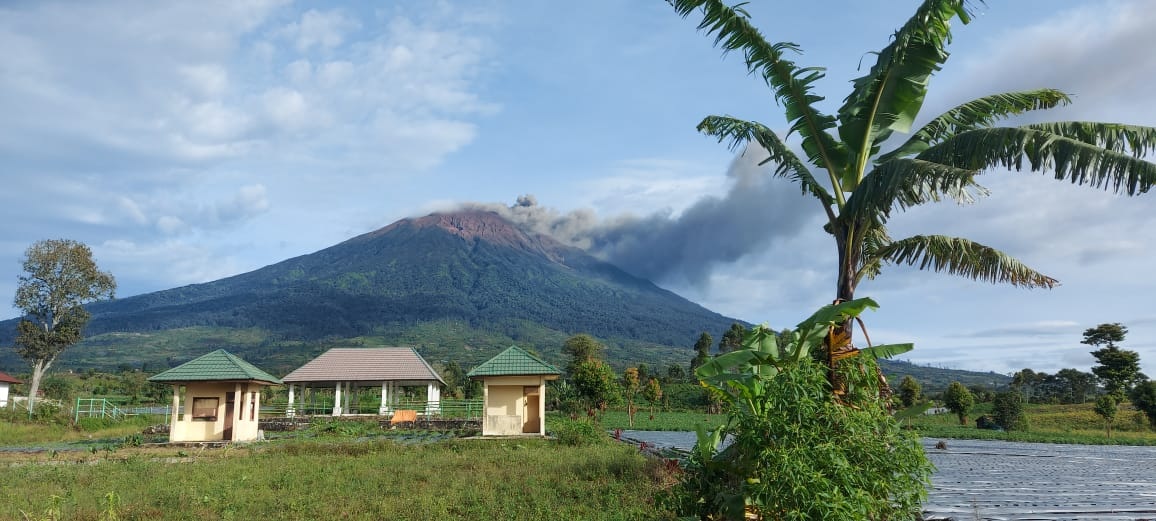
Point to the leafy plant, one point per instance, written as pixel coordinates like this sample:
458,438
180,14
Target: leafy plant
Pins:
1106,407
959,400
909,391
796,450
111,504
1008,411
577,433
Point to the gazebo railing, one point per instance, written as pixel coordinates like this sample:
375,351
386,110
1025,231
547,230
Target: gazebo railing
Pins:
450,408
446,409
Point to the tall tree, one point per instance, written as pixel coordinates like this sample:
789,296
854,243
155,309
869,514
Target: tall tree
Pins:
909,391
1118,368
938,161
1106,335
60,278
581,348
653,393
1078,385
958,400
1143,397
593,380
1106,407
1007,410
701,351
643,373
1026,380
630,384
732,339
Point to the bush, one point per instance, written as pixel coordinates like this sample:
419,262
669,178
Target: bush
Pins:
798,449
958,400
577,433
826,460
1008,411
94,423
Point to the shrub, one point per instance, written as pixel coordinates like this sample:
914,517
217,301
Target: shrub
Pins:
93,423
1008,411
826,460
958,400
797,451
577,433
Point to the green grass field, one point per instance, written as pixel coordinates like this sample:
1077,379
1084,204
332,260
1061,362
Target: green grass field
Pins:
644,420
1076,424
306,480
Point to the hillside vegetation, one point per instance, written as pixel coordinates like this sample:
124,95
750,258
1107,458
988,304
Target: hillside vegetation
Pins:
449,282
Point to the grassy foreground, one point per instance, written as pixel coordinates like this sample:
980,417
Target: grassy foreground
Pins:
15,431
644,420
297,480
1075,424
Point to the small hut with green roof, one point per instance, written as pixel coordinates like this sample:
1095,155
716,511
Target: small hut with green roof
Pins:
514,393
216,397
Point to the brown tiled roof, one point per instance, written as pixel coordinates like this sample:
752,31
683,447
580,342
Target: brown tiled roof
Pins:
365,364
5,378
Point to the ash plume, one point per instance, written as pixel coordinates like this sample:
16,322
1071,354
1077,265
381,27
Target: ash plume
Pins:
755,212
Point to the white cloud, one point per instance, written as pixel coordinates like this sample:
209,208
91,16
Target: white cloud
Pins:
168,263
647,185
287,108
325,30
208,79
161,124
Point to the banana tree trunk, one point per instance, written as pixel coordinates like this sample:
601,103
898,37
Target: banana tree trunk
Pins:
838,342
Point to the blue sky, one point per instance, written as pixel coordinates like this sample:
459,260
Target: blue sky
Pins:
186,142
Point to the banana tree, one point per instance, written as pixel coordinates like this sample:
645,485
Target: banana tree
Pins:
861,185
779,410
741,375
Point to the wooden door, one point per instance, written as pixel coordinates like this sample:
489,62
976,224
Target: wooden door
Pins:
532,421
228,434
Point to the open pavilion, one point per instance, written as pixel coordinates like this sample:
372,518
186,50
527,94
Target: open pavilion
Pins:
348,371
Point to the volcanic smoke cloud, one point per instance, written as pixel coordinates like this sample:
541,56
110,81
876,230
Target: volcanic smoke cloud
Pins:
757,211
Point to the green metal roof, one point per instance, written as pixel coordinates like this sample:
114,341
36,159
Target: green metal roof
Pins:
219,365
513,362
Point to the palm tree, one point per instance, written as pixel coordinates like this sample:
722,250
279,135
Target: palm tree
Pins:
939,160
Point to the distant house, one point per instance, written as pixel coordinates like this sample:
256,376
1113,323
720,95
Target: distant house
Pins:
349,370
5,382
514,393
216,397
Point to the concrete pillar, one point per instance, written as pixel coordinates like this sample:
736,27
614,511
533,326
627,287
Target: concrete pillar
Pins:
176,413
485,407
244,395
289,408
433,398
384,399
237,408
542,406
337,400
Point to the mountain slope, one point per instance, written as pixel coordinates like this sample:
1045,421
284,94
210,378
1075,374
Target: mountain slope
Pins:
472,268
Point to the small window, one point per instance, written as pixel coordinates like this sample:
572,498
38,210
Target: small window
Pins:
205,409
